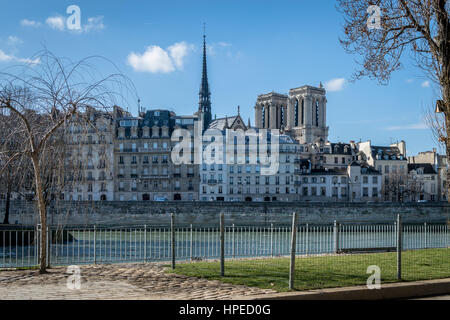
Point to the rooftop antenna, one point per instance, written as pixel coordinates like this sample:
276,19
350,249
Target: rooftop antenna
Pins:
139,105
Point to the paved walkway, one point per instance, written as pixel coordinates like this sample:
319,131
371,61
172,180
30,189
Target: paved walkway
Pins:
117,281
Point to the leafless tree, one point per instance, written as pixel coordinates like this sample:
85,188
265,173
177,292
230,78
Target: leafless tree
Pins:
420,27
46,97
15,177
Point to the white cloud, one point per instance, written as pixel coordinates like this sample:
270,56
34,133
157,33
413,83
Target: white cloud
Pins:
157,60
13,40
414,126
154,60
409,80
4,57
56,22
178,52
426,84
335,84
30,23
224,44
94,23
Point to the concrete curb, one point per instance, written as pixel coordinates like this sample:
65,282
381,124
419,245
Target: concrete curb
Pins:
402,290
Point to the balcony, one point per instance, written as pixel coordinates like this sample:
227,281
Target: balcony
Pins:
212,181
177,175
297,183
190,175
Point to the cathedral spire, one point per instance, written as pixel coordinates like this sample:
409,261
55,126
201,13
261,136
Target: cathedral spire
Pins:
204,104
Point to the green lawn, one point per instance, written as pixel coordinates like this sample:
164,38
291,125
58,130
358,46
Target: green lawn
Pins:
315,272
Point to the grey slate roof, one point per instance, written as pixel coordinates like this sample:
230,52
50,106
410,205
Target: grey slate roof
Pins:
427,167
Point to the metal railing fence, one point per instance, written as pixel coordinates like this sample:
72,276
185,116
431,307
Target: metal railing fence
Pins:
91,245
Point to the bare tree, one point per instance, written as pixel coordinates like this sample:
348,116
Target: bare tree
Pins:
46,97
421,27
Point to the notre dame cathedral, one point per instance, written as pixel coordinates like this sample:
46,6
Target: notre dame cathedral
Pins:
302,113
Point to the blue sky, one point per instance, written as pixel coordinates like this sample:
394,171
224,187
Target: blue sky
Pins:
254,47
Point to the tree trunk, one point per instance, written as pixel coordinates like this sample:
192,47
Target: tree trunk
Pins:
42,214
7,206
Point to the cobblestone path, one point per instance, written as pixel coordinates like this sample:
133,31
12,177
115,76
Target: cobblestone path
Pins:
117,281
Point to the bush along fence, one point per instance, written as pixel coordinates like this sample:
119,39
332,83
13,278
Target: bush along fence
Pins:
282,256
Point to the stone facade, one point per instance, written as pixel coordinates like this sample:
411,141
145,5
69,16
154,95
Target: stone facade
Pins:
90,154
239,213
142,158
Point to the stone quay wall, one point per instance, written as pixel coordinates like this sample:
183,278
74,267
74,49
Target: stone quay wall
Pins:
114,213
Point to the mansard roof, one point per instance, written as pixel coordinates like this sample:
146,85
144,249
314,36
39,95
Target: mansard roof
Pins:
386,153
329,172
426,167
341,148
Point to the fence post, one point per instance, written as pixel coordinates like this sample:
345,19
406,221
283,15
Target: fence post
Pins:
399,247
426,235
172,231
145,243
95,244
49,244
271,240
307,238
38,243
222,245
234,244
293,242
191,244
336,236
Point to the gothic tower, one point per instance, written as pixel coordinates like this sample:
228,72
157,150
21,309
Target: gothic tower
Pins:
302,113
204,103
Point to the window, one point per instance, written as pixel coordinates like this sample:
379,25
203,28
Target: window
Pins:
375,192
305,191
365,192
374,180
386,169
365,179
